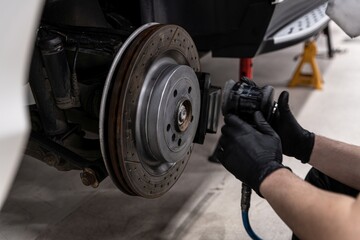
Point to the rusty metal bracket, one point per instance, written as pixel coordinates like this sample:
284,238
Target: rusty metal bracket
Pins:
93,171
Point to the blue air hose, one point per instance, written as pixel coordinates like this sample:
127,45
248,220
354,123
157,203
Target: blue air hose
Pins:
245,206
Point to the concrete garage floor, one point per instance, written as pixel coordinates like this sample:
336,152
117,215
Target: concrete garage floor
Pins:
204,204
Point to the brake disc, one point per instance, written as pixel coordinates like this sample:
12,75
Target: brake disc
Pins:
150,110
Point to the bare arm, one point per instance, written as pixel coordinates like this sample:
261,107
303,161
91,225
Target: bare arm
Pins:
338,160
310,212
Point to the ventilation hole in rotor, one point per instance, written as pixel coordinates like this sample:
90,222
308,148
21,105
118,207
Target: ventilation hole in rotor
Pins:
171,175
183,162
177,169
139,179
189,90
188,153
178,34
179,142
175,93
168,127
173,137
184,40
174,178
155,185
161,186
151,192
168,184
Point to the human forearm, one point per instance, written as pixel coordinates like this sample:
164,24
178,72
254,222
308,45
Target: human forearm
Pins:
310,212
338,160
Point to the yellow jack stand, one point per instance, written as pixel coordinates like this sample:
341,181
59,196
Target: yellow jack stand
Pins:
312,80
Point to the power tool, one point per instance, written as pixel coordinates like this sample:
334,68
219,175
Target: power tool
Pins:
244,98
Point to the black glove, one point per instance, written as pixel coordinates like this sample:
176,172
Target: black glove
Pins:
296,141
249,154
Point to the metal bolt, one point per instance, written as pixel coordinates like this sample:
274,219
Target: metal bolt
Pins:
88,178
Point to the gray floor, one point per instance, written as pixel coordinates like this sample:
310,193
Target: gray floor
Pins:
204,204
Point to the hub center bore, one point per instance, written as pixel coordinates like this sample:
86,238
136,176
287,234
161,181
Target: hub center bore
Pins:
184,114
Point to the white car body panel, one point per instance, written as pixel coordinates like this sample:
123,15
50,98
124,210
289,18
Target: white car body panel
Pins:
18,22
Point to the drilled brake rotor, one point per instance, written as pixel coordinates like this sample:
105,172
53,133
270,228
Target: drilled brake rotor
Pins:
150,110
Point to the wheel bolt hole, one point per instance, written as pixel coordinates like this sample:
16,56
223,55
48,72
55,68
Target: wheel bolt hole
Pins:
168,127
173,137
175,93
189,90
179,142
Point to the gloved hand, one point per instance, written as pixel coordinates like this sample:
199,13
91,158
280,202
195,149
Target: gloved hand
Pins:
249,154
296,141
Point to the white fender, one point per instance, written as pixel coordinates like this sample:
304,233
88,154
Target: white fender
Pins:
18,22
